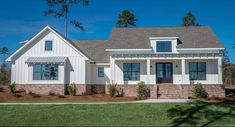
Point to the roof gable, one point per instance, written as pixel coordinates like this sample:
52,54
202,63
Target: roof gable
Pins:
43,31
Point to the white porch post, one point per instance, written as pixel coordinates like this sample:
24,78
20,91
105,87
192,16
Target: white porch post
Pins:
183,71
220,80
148,71
112,65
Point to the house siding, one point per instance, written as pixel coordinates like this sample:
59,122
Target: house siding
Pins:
74,69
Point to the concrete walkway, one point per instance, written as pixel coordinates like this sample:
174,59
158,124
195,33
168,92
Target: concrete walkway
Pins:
99,103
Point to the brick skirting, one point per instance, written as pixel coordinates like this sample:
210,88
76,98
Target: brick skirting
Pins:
163,91
43,89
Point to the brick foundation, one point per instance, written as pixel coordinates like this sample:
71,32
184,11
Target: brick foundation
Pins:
43,89
163,91
185,91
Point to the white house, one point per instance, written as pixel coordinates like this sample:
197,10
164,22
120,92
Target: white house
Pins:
168,59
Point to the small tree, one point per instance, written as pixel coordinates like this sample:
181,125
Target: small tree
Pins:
199,91
112,90
126,19
71,88
12,88
142,90
189,20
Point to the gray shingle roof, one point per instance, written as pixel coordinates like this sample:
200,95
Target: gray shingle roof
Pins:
138,38
95,49
46,60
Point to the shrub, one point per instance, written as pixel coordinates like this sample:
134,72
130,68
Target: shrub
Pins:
199,91
142,90
12,88
71,88
112,90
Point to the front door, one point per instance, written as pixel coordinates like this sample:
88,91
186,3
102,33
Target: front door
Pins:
164,73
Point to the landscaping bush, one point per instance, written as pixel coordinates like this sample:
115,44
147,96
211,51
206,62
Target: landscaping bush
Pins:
112,90
12,88
199,91
142,90
71,88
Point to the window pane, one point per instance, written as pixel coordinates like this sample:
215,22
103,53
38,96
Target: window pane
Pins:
54,72
193,67
37,72
45,71
36,76
100,71
160,70
197,70
201,76
164,46
202,67
131,71
168,70
193,75
48,45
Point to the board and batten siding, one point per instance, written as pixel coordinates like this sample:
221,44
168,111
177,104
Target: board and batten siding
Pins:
72,72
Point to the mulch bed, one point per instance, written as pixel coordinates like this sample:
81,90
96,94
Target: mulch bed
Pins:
21,95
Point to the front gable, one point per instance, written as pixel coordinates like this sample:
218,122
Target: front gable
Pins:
36,46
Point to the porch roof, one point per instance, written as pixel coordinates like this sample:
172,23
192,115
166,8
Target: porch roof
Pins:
176,55
46,60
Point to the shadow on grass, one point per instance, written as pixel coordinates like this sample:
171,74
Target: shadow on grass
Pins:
200,114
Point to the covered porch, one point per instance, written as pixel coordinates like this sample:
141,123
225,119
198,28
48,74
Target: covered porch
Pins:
175,69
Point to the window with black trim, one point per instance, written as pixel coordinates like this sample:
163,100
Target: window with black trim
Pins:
100,71
131,71
197,70
48,45
45,72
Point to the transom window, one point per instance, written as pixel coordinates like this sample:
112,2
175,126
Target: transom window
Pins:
131,71
197,70
163,46
45,72
100,71
48,45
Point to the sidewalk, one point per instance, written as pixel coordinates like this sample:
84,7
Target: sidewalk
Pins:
99,103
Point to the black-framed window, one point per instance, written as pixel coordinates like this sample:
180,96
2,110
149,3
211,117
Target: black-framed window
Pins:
163,46
131,71
48,45
100,71
197,70
45,72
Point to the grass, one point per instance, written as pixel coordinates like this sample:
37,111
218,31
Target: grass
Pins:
165,114
48,101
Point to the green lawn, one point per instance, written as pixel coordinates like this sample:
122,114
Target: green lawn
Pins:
171,114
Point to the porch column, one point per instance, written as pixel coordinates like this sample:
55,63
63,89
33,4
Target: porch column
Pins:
183,71
220,80
148,71
112,66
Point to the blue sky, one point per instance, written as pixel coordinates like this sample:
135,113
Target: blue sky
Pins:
22,19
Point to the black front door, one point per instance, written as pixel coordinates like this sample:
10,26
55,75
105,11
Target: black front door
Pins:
164,73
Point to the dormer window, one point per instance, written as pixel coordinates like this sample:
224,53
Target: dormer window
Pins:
48,45
163,46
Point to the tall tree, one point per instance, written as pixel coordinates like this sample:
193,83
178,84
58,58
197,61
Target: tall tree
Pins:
189,20
60,9
126,19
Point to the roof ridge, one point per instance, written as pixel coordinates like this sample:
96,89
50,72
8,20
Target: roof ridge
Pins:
161,27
